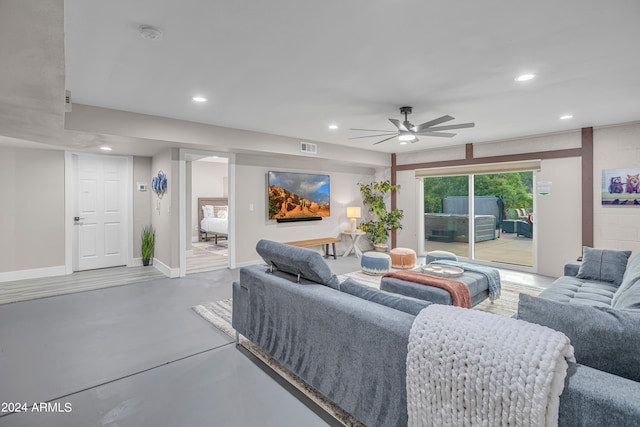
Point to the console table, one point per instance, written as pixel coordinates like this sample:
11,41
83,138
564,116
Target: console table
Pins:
353,244
324,242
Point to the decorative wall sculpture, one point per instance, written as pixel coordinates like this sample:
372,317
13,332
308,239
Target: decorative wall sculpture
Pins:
159,184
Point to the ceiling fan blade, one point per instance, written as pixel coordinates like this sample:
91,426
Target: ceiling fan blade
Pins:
443,134
399,125
376,143
415,140
433,122
460,126
371,136
373,130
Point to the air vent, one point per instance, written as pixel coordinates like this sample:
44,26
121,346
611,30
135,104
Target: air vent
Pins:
308,148
67,101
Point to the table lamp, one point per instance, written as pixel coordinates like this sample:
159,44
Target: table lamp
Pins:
354,212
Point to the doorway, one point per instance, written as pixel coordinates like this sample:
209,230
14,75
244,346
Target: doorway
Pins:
207,213
99,209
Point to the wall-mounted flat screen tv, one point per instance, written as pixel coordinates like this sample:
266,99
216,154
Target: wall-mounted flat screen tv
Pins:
298,196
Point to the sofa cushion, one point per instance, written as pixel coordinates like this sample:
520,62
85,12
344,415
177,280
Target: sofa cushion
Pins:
399,302
631,280
603,264
603,338
567,288
629,299
307,263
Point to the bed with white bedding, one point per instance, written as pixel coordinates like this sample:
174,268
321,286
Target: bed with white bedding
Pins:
213,215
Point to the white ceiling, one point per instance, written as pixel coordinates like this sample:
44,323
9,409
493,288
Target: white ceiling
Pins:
293,67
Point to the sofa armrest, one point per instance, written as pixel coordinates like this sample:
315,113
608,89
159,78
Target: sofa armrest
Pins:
595,398
571,268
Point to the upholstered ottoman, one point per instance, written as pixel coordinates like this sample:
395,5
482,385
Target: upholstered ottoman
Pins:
375,263
403,258
477,283
440,255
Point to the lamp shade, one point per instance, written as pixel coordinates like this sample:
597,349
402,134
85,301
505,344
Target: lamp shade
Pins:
354,212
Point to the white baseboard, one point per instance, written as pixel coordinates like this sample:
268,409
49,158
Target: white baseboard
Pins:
165,269
247,263
36,273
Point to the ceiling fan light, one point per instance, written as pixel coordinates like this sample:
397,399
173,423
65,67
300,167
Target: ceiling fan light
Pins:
406,137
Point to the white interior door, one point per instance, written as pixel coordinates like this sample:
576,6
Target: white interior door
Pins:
101,212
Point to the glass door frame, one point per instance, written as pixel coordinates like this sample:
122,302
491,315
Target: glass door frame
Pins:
471,255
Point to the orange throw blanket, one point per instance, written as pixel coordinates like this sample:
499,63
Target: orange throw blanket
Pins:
458,290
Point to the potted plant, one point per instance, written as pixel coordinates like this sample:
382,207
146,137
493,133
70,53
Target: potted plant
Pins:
383,221
148,242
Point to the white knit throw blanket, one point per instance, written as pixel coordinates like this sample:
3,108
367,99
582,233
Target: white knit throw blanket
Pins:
472,368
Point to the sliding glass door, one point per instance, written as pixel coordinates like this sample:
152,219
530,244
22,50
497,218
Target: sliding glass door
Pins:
506,201
496,227
444,228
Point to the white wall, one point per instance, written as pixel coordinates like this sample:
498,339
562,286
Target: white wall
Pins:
408,200
251,186
165,214
616,227
141,201
559,215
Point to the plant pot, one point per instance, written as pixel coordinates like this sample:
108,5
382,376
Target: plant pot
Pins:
380,247
146,262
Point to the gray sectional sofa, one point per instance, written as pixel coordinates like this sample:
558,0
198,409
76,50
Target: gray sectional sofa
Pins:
349,341
597,305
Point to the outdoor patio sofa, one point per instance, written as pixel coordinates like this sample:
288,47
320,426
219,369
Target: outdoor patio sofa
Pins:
349,341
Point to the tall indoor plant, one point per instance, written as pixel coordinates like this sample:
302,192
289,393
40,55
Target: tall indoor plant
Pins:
383,220
148,242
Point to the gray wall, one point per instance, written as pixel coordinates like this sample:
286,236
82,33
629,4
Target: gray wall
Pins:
32,233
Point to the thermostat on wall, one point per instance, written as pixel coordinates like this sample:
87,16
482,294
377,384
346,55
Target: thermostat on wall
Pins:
142,186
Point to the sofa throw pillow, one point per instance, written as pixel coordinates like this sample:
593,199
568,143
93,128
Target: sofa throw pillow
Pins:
603,264
603,338
291,259
399,302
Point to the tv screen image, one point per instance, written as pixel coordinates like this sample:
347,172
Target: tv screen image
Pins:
298,195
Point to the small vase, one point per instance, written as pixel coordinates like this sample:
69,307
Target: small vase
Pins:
146,262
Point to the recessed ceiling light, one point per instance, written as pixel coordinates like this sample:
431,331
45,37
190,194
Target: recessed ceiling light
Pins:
333,126
199,99
525,77
566,117
105,148
148,32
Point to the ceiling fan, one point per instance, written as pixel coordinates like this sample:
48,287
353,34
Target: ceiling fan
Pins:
408,132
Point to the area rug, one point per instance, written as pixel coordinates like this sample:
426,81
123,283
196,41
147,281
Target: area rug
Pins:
218,313
221,249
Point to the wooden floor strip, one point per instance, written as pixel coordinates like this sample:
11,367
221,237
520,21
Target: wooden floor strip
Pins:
24,290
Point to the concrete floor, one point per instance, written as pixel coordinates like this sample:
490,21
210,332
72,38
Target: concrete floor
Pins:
136,355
